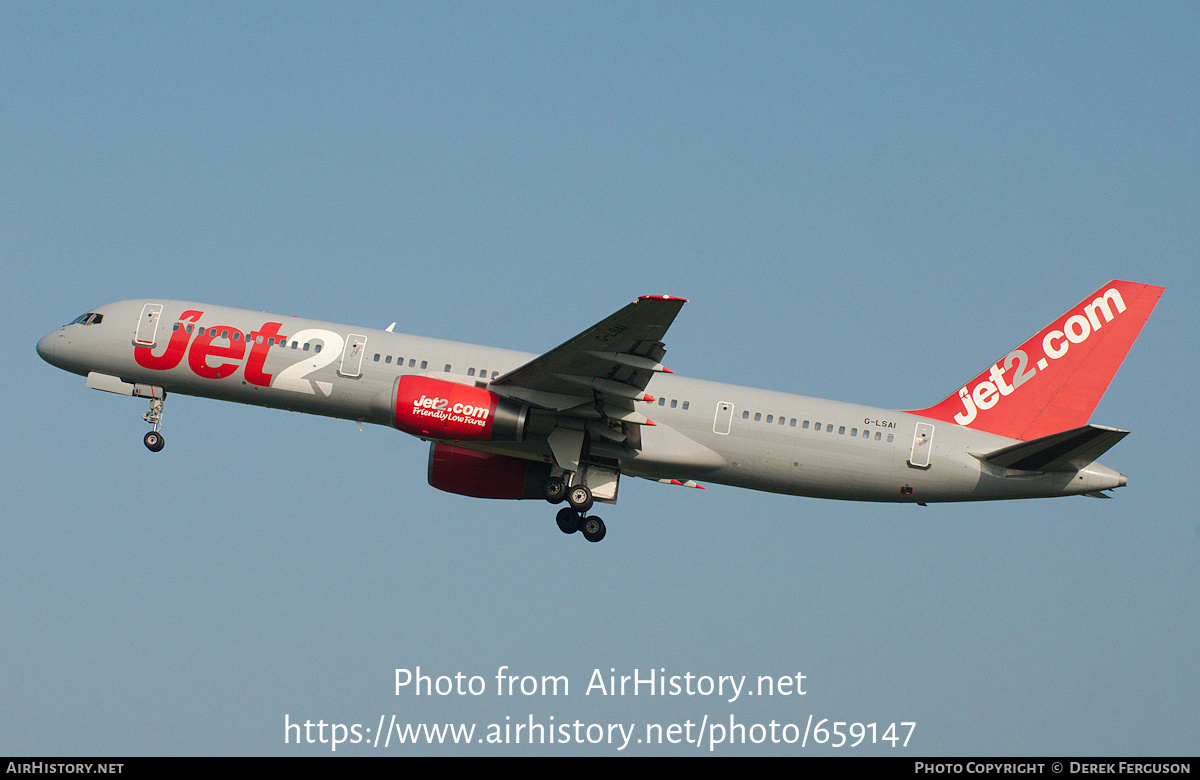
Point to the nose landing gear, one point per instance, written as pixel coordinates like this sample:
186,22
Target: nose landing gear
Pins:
154,439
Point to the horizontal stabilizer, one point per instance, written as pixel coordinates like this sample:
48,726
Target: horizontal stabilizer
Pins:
1067,450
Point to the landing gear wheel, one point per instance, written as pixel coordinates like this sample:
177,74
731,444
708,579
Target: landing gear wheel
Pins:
153,441
555,490
568,520
580,498
593,529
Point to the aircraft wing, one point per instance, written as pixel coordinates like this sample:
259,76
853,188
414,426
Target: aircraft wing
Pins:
603,372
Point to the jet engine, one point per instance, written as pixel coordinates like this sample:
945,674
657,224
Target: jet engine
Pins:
485,474
436,409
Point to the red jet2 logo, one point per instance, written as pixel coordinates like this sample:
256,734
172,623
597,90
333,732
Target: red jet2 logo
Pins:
1055,343
206,348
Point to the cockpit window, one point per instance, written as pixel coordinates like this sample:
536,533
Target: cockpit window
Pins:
91,318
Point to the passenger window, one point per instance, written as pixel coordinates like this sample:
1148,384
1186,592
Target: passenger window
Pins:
770,418
447,369
878,435
889,438
662,402
685,405
805,426
387,360
470,372
424,364
842,430
746,415
674,403
757,416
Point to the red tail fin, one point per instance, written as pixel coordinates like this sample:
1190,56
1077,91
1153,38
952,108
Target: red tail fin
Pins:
1054,380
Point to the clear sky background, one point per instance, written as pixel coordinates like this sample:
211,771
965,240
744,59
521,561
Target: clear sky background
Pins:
867,202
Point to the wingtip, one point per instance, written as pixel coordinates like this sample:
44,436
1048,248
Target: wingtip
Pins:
662,298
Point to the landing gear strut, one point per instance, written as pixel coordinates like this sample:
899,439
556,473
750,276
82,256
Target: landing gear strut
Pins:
154,439
574,517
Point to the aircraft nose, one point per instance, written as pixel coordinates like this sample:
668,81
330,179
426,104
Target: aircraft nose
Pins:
46,346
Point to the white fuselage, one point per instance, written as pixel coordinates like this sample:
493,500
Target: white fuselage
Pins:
721,433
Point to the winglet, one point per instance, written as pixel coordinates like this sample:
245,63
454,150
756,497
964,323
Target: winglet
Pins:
1054,380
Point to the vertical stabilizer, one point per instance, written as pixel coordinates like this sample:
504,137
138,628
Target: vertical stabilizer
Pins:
1054,380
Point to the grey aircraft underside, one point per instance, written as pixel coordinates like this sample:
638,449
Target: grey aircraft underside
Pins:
565,425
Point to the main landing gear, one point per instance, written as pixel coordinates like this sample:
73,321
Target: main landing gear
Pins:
574,517
154,439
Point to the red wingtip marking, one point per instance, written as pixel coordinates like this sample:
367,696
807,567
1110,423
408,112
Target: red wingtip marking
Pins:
668,371
662,298
651,422
648,397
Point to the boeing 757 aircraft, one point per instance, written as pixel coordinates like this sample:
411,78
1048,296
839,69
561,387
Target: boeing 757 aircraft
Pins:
567,424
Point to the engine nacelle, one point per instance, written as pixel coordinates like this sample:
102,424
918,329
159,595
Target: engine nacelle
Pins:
485,474
436,409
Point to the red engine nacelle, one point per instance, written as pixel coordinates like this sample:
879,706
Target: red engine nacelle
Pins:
485,474
437,409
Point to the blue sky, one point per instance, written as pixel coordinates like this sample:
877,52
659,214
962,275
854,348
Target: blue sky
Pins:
861,201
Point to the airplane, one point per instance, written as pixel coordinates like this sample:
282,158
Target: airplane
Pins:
567,424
